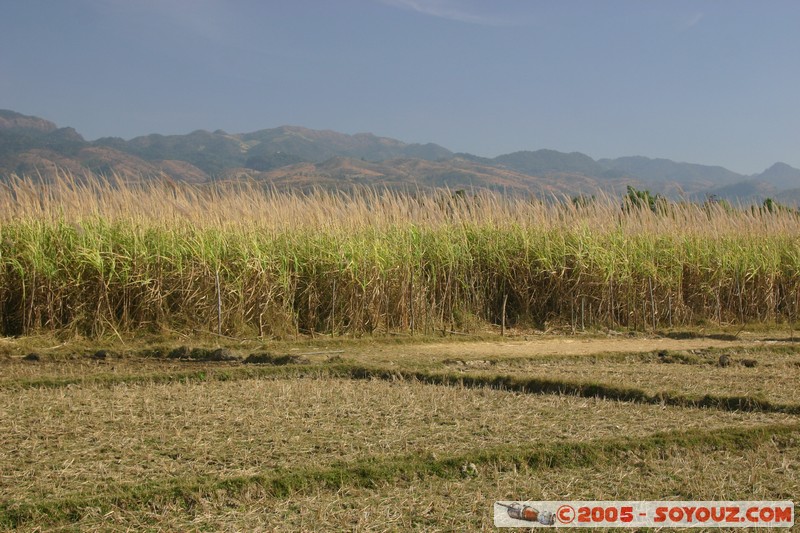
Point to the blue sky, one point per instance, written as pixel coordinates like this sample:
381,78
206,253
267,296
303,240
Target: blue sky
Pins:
713,82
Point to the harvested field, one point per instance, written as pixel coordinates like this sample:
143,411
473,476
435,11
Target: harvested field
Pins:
16,373
141,440
87,440
768,470
774,382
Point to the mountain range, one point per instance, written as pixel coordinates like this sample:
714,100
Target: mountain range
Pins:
296,157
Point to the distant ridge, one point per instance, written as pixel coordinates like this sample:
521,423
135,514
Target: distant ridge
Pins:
13,122
297,157
215,152
551,161
781,176
665,170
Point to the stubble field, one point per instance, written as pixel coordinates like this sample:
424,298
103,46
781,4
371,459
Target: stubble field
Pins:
375,435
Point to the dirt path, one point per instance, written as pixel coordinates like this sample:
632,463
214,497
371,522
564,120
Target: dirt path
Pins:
558,345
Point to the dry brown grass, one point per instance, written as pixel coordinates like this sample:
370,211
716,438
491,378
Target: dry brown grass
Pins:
120,430
689,368
87,440
769,471
775,383
18,372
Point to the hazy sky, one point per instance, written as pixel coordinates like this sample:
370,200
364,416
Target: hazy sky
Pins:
714,82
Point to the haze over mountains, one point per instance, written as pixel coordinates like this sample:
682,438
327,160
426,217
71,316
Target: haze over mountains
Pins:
296,157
